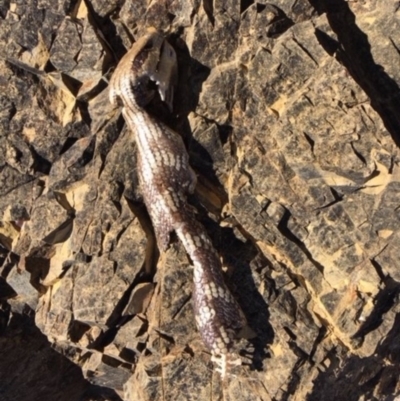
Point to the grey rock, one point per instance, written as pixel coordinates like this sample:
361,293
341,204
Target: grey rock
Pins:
290,114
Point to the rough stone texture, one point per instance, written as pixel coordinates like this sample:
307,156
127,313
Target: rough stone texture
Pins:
290,111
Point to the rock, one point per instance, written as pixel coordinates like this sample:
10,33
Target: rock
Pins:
289,111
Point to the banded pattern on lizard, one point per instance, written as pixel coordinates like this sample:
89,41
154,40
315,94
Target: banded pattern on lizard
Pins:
166,178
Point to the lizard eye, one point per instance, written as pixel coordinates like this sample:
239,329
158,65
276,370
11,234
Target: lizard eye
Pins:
143,90
151,85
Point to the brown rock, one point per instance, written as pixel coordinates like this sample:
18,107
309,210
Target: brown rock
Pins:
290,111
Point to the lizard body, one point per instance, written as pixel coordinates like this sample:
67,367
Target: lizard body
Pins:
166,179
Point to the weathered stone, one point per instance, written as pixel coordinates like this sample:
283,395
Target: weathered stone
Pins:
103,371
139,299
20,282
290,114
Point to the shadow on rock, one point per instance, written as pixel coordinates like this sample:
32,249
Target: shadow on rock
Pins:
31,370
353,51
371,378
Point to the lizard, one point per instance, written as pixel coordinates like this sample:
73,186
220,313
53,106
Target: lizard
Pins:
165,180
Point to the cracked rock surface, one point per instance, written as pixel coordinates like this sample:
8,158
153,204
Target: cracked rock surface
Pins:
290,111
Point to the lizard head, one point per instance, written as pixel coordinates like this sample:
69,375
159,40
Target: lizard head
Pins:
148,66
